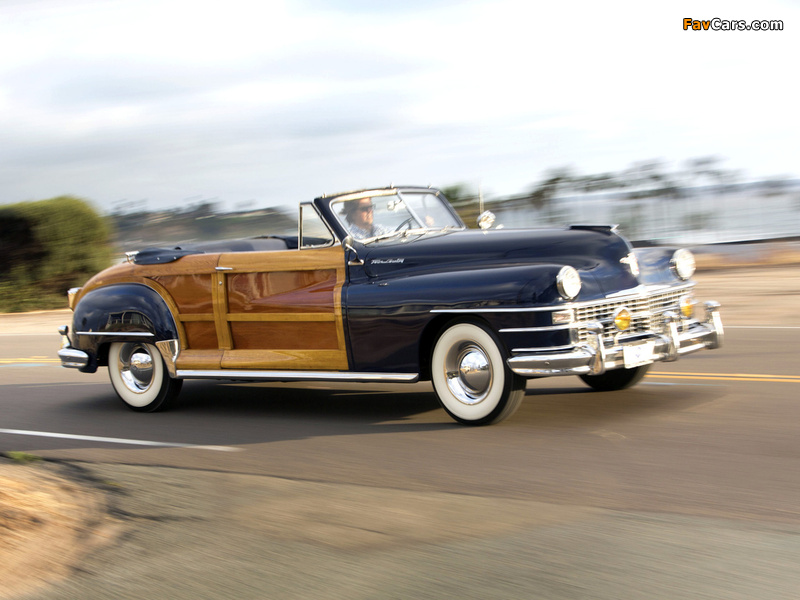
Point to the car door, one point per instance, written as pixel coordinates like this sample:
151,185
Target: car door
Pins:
188,286
281,310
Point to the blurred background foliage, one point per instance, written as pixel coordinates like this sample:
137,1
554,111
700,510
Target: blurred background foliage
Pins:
46,247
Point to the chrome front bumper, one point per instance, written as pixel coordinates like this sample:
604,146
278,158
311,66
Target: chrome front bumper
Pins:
71,357
595,358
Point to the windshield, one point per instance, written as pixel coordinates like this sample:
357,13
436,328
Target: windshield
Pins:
381,216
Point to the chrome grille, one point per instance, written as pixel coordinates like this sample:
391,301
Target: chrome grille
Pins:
645,309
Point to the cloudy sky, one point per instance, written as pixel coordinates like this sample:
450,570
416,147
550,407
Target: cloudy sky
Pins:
267,102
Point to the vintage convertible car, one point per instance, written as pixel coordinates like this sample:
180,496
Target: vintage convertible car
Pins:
387,285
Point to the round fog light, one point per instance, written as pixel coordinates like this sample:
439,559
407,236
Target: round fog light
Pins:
622,319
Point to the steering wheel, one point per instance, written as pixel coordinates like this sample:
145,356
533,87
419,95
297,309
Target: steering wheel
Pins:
405,224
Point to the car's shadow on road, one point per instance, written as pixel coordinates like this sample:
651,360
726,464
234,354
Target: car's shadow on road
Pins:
576,405
231,414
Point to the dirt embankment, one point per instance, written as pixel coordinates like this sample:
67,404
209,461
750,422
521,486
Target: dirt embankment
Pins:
49,518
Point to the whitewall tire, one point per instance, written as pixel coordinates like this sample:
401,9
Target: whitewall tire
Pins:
139,376
470,376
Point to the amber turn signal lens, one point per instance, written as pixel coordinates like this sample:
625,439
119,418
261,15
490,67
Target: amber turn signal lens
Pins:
622,320
687,306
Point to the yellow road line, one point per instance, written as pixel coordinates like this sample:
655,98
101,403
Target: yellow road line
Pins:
32,359
731,377
727,374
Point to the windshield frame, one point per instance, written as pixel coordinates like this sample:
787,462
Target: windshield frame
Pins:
418,227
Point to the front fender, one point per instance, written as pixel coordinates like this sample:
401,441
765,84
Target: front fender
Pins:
389,319
655,267
117,313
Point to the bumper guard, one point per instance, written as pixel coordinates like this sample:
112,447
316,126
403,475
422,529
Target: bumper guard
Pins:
71,357
595,358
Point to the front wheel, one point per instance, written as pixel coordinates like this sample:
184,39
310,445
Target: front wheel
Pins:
471,378
618,379
139,377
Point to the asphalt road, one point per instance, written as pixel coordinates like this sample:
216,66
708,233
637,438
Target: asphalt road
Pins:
684,486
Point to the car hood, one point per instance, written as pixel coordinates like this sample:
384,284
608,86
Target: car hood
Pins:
598,253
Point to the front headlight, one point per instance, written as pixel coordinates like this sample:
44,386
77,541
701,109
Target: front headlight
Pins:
682,263
568,282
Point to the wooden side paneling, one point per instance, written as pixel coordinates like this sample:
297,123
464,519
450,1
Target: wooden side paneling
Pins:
283,310
282,291
286,335
192,293
285,360
201,335
202,360
220,299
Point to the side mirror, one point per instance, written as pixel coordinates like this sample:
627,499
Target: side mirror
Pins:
347,244
486,219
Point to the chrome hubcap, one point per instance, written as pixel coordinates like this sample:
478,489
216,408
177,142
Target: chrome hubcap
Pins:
469,373
136,368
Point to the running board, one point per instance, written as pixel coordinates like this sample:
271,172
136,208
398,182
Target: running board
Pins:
300,376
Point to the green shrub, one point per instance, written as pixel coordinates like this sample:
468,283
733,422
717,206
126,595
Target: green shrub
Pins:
46,247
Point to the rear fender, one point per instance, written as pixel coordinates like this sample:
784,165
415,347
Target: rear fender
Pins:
119,313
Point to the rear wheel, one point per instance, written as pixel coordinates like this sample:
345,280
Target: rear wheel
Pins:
139,377
618,379
470,376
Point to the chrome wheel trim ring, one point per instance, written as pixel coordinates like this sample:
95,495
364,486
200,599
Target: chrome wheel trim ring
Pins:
136,368
468,372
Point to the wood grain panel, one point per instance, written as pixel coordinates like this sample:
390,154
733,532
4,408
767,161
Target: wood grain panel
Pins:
220,299
285,335
283,360
200,360
275,317
192,293
201,336
284,310
282,291
288,260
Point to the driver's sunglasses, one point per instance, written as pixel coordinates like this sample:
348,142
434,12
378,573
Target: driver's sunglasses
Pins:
366,208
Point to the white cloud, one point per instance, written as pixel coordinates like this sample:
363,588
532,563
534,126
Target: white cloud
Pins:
252,100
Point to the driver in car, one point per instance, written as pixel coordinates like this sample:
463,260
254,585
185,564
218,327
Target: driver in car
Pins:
360,215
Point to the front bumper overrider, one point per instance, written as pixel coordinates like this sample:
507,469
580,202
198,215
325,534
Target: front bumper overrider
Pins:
594,357
71,358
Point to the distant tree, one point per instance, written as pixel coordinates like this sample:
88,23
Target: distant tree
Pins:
465,200
556,181
48,247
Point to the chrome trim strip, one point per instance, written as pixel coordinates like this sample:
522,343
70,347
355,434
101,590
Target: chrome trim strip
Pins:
639,292
299,376
649,289
548,349
535,329
118,333
474,310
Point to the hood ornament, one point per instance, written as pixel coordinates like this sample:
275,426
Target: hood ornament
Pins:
632,263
